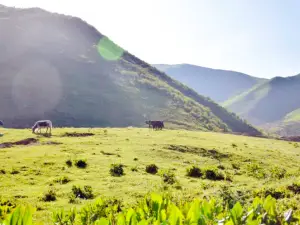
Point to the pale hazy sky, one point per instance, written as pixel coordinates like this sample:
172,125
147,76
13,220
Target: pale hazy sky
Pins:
258,37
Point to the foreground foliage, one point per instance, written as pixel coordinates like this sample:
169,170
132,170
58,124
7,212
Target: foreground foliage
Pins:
157,209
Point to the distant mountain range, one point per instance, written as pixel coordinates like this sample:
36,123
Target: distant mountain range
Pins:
60,68
219,85
273,105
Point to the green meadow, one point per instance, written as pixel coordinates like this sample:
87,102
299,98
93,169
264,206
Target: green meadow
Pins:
234,167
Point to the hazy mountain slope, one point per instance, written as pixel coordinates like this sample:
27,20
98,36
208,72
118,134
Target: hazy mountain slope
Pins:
219,85
270,102
59,67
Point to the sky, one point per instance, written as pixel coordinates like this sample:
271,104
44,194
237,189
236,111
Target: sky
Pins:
257,37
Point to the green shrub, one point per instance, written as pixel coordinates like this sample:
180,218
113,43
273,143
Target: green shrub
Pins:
234,145
49,196
69,163
135,159
194,172
235,166
2,171
81,163
152,168
84,193
295,187
221,167
63,180
14,171
276,193
134,169
213,174
256,171
116,170
168,177
277,172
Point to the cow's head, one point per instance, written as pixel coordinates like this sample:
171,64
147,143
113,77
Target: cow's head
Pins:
33,128
148,122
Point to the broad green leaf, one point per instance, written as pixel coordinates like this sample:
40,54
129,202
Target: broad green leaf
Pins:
236,214
121,219
102,221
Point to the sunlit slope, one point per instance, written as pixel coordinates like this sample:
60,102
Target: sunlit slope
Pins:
60,68
270,102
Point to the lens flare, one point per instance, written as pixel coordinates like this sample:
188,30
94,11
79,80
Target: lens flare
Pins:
109,50
37,88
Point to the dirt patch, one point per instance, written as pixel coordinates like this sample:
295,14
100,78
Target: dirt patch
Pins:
75,134
27,141
109,153
52,143
198,151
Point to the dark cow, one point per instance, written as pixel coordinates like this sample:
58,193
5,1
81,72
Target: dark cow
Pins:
157,125
1,123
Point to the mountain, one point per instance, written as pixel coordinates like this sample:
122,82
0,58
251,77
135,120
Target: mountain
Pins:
274,104
219,85
60,68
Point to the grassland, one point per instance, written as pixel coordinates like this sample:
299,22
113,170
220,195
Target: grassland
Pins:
254,165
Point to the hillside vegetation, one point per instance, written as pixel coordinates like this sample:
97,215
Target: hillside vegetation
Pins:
219,85
273,103
76,166
60,68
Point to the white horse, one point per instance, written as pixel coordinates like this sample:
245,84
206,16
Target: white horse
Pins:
42,124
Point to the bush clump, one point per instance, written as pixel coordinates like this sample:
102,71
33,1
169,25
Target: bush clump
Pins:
276,193
14,171
49,196
256,171
295,188
213,174
152,168
194,172
278,173
84,193
69,163
116,170
63,180
81,163
134,169
169,177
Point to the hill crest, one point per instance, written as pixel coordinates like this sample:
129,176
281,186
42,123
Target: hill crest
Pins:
61,68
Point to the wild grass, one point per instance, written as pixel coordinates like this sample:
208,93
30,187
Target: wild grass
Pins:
256,166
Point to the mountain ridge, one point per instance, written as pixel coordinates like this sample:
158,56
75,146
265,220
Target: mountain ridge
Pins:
270,104
59,67
219,85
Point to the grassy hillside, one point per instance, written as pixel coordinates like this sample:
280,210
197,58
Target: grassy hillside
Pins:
293,116
219,85
235,168
273,101
59,67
